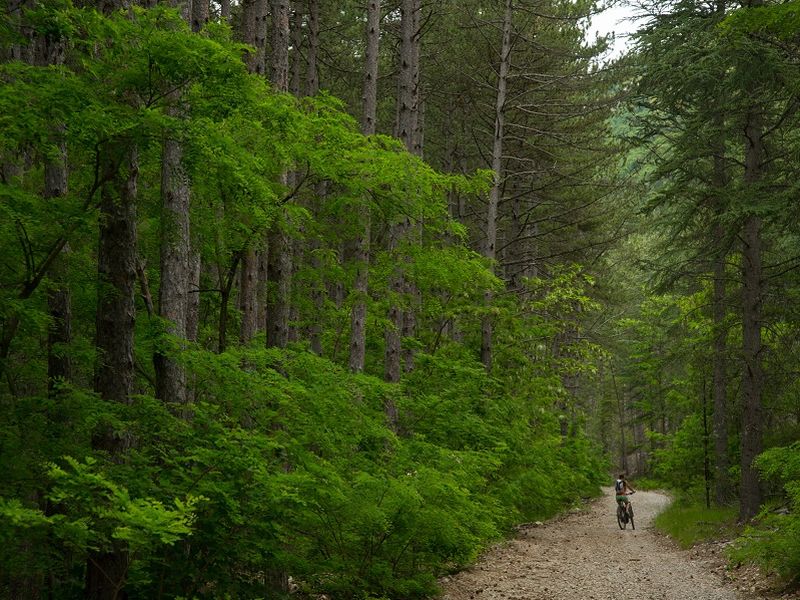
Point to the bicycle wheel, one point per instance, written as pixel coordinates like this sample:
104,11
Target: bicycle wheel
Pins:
630,515
621,520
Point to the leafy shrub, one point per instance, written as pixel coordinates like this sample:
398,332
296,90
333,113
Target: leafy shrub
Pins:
680,463
774,542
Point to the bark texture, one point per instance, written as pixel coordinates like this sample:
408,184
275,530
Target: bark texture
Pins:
173,297
752,294
722,483
193,301
248,295
358,317
279,268
116,319
405,129
50,50
490,248
117,262
723,489
200,14
279,72
253,32
312,72
313,86
279,274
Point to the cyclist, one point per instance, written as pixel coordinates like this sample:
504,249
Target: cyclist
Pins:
622,489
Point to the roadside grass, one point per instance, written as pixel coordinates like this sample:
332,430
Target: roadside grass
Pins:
689,524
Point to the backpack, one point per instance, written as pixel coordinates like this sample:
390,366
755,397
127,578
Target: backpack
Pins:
619,486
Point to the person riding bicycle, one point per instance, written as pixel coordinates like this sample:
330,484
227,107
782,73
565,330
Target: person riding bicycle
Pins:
622,489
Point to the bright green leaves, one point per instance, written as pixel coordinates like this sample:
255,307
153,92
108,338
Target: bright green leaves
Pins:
109,513
780,20
283,460
95,512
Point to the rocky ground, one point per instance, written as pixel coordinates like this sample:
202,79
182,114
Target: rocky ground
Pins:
585,556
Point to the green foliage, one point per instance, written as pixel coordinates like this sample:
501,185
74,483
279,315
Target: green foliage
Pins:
679,462
780,20
286,462
689,523
774,542
283,461
94,514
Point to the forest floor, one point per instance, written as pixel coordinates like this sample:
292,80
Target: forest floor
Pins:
583,555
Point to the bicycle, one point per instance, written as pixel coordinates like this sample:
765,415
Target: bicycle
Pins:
625,514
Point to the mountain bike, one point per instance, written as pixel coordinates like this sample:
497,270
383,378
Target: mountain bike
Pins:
625,514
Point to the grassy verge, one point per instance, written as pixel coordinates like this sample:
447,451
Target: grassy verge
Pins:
689,524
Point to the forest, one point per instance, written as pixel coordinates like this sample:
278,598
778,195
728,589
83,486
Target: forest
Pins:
324,298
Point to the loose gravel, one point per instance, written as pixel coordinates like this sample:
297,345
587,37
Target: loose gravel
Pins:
585,556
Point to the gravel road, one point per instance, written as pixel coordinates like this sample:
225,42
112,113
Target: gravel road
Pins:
585,556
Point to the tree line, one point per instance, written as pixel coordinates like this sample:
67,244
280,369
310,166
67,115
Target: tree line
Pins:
702,392
290,296
323,298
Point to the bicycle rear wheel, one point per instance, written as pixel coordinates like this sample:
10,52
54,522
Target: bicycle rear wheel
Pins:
621,520
630,515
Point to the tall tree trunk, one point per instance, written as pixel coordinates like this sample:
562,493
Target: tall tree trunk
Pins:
295,85
723,488
116,263
117,258
358,317
116,318
279,269
248,294
50,51
193,303
279,72
414,10
313,86
177,263
408,77
623,446
23,48
116,276
200,14
253,32
370,91
752,295
279,274
405,128
312,72
299,246
490,248
173,297
722,482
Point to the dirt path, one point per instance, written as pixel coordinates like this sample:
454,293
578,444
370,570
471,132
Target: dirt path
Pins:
585,556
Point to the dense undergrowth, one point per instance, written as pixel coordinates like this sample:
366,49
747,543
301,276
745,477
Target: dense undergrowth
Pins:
285,463
772,540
